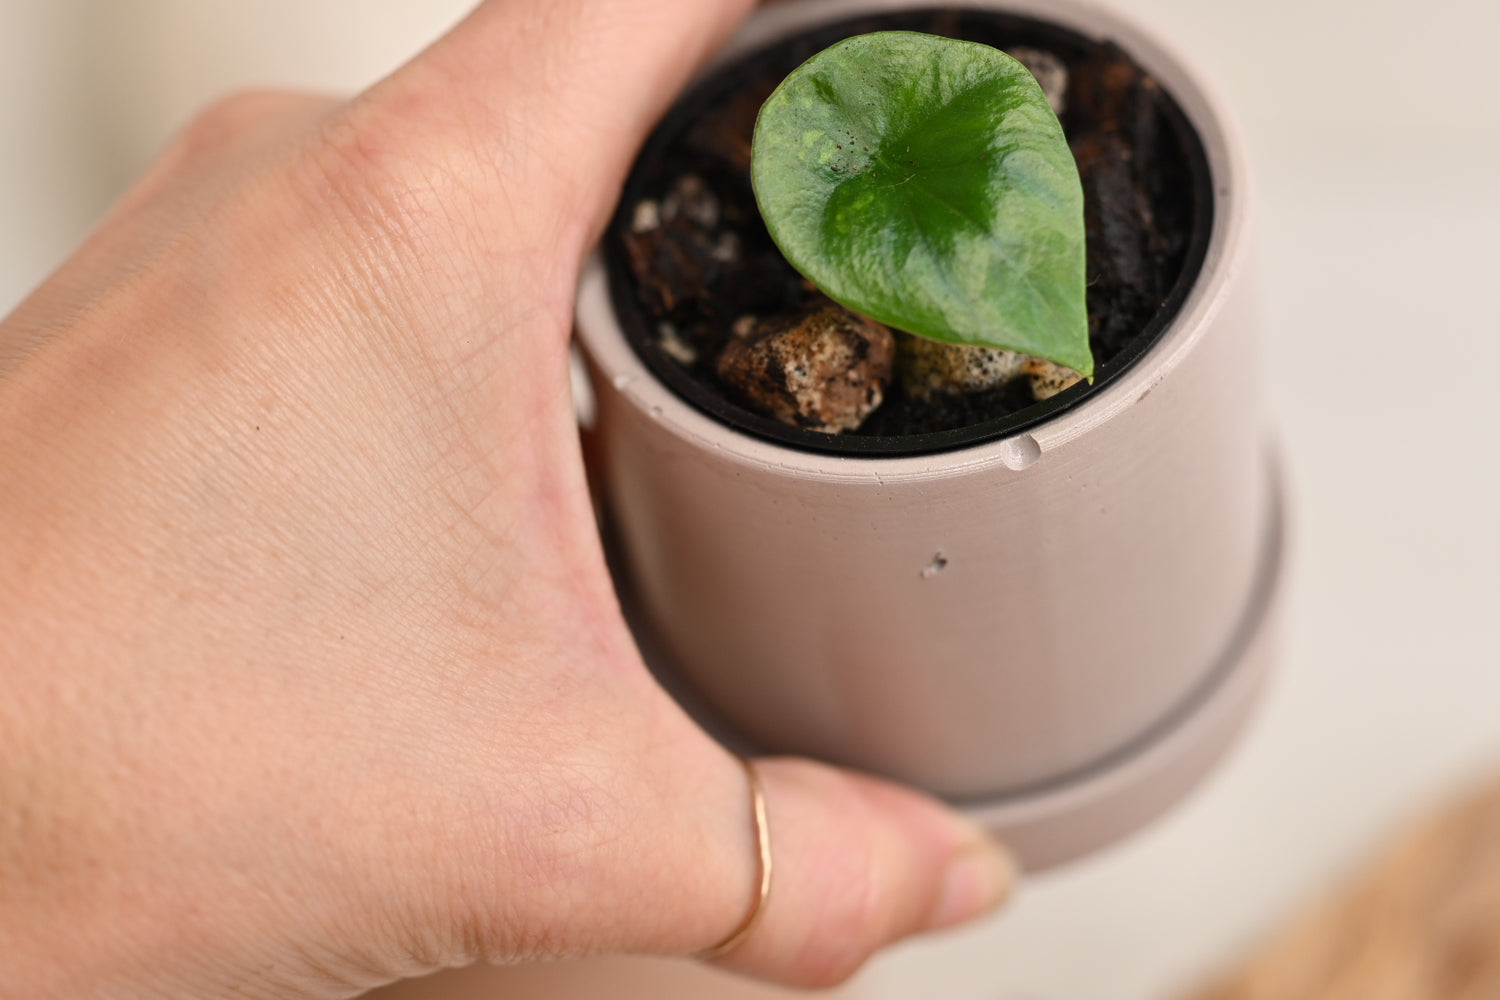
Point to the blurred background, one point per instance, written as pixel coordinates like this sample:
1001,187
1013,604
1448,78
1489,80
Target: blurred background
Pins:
1375,130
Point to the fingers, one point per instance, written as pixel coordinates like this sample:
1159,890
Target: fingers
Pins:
555,97
668,861
858,864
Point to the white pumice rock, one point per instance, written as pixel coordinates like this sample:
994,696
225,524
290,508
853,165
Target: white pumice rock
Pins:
647,216
728,249
1050,71
928,367
674,347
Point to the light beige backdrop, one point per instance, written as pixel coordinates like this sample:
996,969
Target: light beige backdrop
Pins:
1376,127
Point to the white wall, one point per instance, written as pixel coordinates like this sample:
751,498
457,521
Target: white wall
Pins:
91,89
41,173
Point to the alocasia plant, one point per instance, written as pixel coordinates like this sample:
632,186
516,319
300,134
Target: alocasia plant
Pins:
925,183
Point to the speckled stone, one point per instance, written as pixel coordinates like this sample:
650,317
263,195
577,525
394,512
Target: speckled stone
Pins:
1049,379
928,367
826,371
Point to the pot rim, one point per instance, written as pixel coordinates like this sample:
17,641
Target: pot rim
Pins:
1225,255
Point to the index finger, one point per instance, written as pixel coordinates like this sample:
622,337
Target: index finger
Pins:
549,97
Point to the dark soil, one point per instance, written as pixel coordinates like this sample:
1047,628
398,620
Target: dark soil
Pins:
703,259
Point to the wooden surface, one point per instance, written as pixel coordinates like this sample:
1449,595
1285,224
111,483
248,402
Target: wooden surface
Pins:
1419,922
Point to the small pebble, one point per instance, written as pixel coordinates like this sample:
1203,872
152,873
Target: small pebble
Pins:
674,347
647,216
727,250
692,198
1049,379
826,371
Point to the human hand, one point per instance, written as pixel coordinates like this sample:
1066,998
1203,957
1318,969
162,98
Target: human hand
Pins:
314,674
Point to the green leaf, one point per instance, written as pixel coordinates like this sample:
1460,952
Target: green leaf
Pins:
925,183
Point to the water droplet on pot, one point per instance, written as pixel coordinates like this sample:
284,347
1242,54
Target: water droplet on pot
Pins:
622,381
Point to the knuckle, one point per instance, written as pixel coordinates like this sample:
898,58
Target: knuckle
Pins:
378,173
231,117
234,131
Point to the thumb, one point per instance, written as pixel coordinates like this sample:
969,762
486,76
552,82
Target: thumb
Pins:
857,864
551,98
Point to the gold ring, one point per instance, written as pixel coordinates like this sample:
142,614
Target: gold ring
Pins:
763,893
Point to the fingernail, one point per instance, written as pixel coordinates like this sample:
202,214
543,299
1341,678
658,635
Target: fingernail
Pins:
978,880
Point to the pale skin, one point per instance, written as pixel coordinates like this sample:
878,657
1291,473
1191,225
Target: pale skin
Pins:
314,678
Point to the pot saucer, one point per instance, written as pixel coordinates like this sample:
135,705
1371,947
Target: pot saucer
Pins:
1051,823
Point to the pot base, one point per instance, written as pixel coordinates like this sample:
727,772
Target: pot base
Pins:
1050,824
1055,823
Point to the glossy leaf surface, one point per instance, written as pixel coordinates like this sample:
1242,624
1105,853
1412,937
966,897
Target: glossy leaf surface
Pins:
924,182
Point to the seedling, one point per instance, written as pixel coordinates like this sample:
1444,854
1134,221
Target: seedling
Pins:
925,183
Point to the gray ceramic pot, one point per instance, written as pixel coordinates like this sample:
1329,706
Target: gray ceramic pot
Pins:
1060,629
